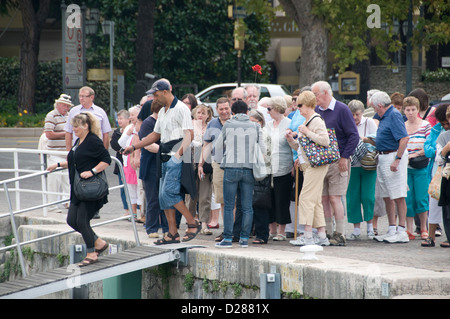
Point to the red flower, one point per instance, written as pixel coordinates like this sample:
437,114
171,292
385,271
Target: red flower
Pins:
257,68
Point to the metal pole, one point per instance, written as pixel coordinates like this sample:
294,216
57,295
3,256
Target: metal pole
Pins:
14,229
408,50
111,68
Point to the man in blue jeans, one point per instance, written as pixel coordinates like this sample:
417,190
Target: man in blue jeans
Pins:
239,137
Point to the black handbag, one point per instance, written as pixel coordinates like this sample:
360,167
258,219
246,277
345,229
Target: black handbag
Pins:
419,161
262,194
92,188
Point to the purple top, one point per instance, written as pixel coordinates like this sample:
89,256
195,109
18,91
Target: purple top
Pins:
341,119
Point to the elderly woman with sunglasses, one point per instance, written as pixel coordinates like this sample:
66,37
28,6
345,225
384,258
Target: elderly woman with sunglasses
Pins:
310,208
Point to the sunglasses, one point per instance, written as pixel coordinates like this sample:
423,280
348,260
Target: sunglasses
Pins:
299,105
269,109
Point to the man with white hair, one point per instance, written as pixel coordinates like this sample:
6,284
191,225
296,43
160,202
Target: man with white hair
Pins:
391,142
55,122
263,104
253,94
338,116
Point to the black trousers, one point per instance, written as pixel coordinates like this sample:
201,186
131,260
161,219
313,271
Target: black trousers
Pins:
79,218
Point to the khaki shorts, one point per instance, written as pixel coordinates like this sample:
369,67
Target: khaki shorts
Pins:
217,181
335,182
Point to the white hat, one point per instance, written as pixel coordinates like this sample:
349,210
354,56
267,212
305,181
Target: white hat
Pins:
64,98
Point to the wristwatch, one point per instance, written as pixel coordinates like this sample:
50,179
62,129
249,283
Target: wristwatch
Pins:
398,157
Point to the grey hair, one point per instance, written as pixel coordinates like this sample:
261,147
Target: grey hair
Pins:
257,115
381,98
323,86
266,100
370,93
256,86
240,88
279,104
355,106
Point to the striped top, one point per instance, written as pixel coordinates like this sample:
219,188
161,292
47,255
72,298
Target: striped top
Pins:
55,122
417,139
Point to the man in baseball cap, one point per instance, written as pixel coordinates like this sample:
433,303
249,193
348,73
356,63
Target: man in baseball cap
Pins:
160,85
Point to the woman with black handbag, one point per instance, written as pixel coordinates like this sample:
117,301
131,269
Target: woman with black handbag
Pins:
88,157
262,193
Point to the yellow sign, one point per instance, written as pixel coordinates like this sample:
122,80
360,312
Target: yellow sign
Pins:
103,74
349,83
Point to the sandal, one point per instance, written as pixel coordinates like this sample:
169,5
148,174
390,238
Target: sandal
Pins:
219,238
191,236
279,237
429,242
206,231
172,240
258,241
445,244
424,235
87,261
99,251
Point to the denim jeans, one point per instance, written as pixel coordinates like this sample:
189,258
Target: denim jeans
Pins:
234,177
170,183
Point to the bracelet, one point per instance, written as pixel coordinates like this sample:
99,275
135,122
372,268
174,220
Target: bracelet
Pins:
134,147
59,164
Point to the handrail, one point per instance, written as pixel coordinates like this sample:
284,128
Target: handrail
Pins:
18,244
16,170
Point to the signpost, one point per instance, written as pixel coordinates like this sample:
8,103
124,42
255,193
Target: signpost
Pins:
73,50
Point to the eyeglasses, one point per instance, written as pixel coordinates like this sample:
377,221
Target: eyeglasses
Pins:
83,96
236,99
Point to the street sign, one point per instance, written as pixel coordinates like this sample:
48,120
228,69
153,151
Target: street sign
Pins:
73,48
446,61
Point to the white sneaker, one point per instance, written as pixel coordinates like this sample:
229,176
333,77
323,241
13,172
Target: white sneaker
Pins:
321,242
398,237
302,241
353,237
380,238
370,234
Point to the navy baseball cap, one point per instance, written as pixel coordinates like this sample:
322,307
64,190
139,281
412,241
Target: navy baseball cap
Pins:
160,85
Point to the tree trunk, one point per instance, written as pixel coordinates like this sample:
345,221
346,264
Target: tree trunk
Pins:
144,42
314,57
29,51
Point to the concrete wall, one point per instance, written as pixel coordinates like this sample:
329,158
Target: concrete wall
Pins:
234,274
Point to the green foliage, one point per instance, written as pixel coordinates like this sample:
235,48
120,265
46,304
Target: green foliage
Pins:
435,29
350,36
440,75
189,281
193,41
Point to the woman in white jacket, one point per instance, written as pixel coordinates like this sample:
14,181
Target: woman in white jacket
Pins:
130,172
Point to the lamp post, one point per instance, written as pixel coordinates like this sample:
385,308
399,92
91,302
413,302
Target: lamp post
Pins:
108,29
408,50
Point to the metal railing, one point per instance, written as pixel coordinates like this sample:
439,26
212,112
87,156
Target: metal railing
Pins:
18,244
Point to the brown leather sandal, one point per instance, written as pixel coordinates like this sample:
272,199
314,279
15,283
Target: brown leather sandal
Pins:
173,240
190,236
